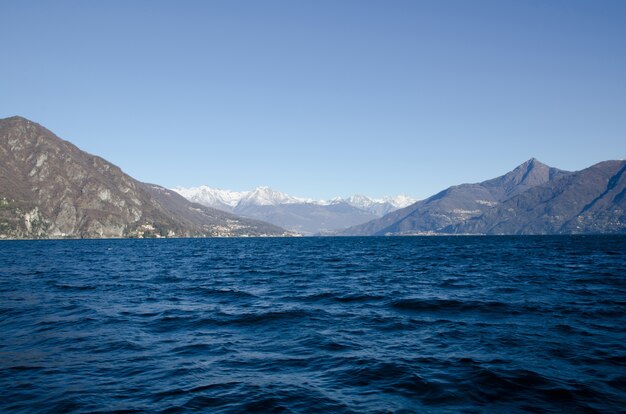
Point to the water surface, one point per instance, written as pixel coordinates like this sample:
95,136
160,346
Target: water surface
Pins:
346,325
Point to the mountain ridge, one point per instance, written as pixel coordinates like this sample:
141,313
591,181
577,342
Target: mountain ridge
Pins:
592,200
458,203
265,195
299,214
49,188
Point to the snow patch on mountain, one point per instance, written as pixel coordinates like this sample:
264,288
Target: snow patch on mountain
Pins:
266,196
215,197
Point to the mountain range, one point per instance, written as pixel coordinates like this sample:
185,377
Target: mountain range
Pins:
531,199
298,214
51,189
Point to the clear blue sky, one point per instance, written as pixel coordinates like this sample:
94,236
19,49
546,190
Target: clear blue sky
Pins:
321,98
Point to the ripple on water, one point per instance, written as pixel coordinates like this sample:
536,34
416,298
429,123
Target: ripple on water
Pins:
345,325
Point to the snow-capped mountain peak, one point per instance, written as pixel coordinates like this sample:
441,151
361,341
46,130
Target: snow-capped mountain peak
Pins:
399,201
379,206
215,197
266,196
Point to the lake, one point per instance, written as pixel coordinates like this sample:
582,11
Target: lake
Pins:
345,325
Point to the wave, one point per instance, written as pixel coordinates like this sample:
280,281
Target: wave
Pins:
314,325
451,305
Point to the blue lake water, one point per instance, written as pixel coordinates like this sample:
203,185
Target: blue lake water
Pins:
346,325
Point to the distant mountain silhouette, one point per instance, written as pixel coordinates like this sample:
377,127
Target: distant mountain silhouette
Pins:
50,188
459,203
306,216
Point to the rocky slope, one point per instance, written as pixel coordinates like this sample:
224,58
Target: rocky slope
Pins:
592,200
49,189
459,203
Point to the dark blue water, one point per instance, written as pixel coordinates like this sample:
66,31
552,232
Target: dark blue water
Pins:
471,324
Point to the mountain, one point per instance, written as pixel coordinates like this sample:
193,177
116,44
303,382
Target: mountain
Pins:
592,200
212,197
49,189
298,214
379,206
307,218
459,203
265,196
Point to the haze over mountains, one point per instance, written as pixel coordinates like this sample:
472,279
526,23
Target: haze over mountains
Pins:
303,215
49,188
